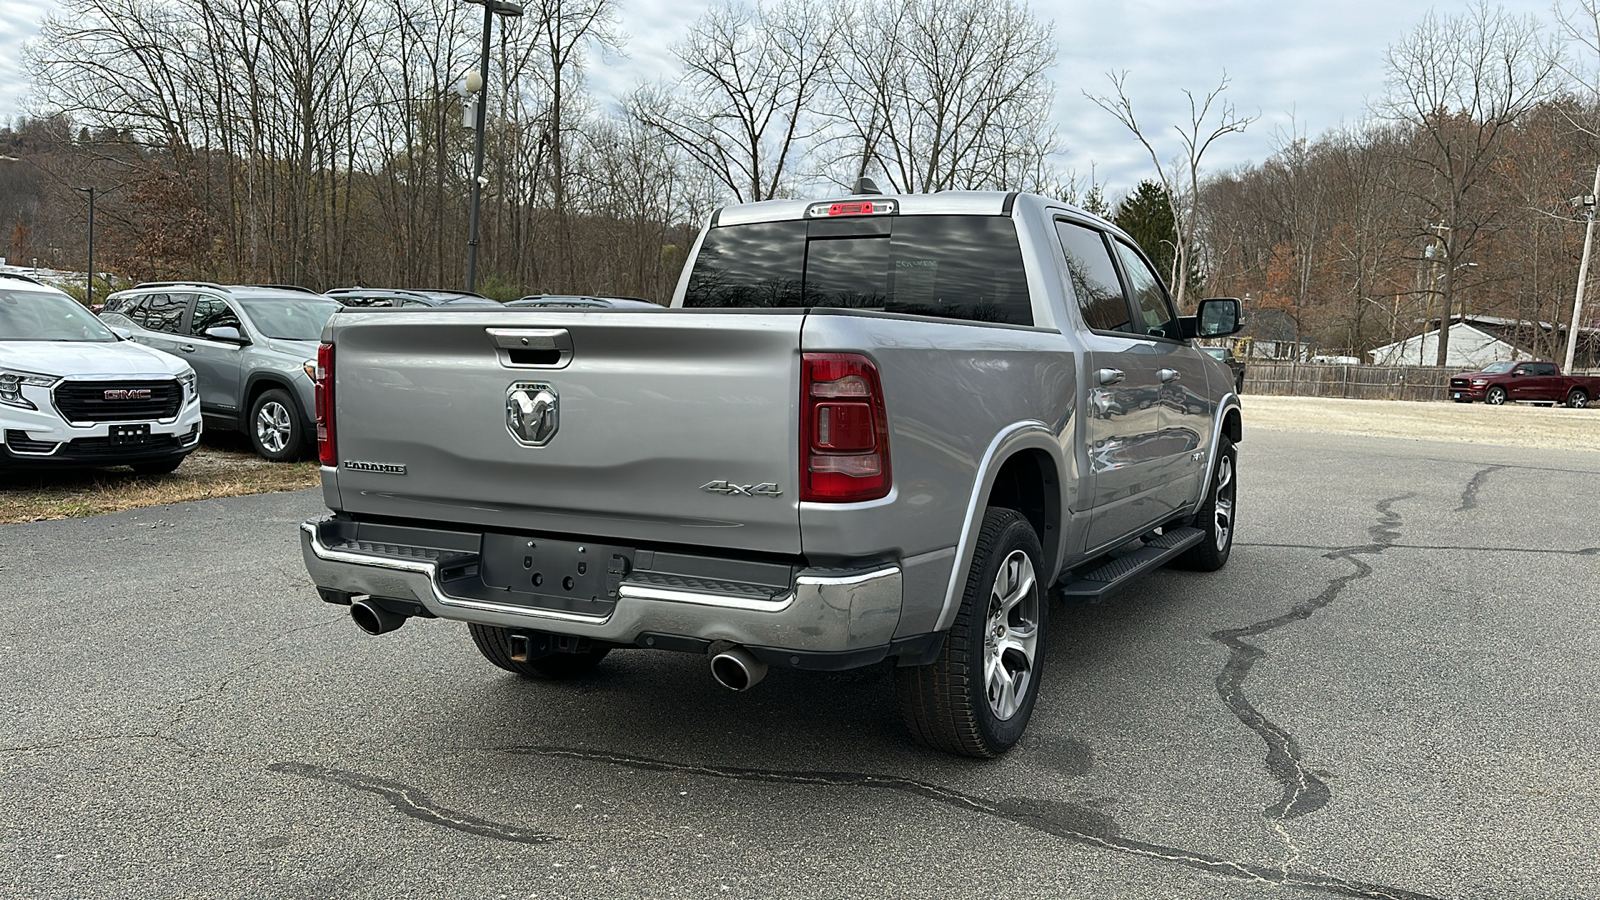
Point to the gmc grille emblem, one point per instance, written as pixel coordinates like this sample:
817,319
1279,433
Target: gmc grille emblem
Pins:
128,395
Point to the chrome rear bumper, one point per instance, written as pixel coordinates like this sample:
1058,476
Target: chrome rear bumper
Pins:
824,611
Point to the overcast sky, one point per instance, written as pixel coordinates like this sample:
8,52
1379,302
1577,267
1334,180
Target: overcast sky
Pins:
1304,67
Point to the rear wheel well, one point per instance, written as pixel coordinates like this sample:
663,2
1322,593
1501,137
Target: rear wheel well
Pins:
1028,483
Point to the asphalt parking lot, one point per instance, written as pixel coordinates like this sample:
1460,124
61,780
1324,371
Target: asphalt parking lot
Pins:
1389,693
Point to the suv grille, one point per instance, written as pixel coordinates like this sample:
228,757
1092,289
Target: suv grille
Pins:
85,401
1458,383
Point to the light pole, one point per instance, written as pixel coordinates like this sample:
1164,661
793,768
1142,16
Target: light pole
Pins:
491,8
88,288
1585,203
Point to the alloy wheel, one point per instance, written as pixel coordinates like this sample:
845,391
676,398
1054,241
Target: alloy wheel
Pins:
1011,635
273,426
1224,502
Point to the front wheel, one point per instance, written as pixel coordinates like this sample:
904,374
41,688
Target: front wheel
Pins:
1578,399
275,429
1496,396
1216,516
976,698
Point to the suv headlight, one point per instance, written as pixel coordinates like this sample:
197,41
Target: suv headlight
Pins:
11,384
189,390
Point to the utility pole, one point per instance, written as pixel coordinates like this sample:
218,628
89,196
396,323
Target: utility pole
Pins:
491,8
88,288
1587,205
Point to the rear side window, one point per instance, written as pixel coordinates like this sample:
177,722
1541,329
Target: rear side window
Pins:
162,312
955,267
1094,278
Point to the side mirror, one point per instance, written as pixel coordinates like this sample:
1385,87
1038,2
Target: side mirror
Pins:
224,333
1216,317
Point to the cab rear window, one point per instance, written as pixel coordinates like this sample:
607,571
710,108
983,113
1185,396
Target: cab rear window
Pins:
953,267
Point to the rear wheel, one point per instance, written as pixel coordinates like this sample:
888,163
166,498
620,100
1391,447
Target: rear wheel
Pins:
1578,398
1496,396
1216,516
977,697
495,645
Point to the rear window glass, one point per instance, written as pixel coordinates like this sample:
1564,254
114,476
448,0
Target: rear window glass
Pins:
956,267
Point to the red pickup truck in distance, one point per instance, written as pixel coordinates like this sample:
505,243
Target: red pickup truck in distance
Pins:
1524,382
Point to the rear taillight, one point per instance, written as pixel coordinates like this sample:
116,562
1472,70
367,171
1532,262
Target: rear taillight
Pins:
844,430
326,451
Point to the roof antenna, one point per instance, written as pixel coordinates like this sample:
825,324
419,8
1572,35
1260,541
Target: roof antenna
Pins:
865,185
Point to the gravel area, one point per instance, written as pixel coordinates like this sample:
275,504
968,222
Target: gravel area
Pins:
1551,428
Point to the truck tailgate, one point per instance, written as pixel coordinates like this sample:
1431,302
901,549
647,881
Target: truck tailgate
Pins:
653,426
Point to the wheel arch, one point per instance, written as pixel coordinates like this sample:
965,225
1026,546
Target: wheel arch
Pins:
1230,425
1026,456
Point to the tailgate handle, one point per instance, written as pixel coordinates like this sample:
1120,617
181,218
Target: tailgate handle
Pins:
532,348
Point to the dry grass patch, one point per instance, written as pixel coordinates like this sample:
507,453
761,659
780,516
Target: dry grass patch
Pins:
1517,425
223,466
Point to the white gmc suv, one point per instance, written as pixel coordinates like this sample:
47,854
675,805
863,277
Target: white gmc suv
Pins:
74,393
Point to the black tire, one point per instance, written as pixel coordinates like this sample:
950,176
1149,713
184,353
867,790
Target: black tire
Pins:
959,704
160,466
495,645
1217,515
1495,396
1578,398
276,430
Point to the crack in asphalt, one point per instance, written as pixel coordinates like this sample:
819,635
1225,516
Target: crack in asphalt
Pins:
1065,820
412,802
217,687
1516,466
1303,792
63,743
1469,494
1581,551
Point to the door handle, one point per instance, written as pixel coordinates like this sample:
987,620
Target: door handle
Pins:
1109,376
1169,375
187,348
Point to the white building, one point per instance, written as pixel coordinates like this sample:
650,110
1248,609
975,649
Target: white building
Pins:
1477,341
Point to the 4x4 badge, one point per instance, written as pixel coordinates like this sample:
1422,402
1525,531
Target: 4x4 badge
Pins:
765,489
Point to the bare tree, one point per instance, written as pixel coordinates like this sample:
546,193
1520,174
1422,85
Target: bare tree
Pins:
944,95
743,107
1460,83
1181,176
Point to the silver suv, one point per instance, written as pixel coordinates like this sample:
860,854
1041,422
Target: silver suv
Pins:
253,348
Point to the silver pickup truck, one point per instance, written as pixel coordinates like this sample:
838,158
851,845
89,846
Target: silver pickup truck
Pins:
869,428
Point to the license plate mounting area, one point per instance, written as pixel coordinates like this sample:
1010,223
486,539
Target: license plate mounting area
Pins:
573,576
120,435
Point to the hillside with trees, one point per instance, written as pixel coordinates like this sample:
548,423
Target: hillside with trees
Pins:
321,143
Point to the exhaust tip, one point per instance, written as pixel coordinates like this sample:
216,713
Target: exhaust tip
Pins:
374,619
737,669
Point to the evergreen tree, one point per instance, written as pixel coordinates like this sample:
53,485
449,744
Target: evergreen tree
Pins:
1146,215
